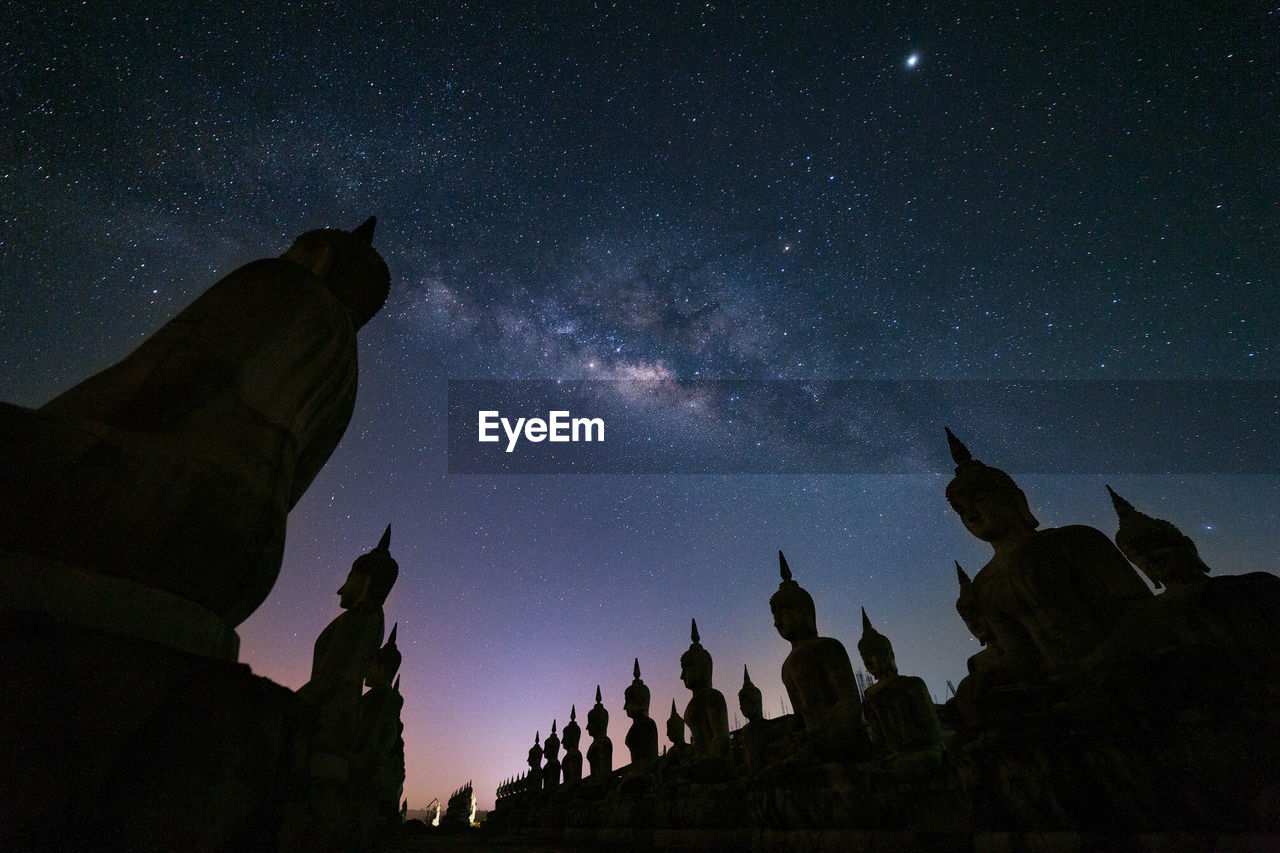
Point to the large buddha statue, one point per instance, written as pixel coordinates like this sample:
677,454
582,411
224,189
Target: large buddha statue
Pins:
706,715
899,711
151,498
642,737
1047,595
818,677
600,753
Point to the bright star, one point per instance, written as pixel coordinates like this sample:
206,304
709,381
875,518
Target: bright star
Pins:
913,60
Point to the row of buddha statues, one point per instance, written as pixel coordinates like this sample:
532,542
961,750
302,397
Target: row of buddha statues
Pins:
1072,640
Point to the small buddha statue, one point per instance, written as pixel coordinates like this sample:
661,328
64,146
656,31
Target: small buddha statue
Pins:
534,779
346,646
551,759
378,761
642,737
675,727
818,677
750,700
899,711
706,715
571,766
1047,595
989,668
600,753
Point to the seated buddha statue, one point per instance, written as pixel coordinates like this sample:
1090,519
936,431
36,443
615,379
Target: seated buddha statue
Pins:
900,712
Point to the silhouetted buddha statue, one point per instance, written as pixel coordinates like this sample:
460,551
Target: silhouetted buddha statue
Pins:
534,780
1049,595
750,700
571,766
551,759
151,498
675,727
378,764
818,677
706,715
345,648
642,737
1230,623
899,711
600,753
990,667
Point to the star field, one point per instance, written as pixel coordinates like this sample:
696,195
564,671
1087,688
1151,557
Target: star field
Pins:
706,191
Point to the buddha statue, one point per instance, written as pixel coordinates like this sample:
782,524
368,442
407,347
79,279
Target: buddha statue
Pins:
571,766
1047,595
600,753
345,648
818,677
533,781
750,700
378,763
1229,623
151,499
706,715
989,668
551,759
675,727
642,737
899,711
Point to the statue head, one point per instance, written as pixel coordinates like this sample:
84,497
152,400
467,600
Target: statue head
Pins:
876,651
792,606
970,612
1163,552
675,726
572,731
695,664
750,701
535,753
372,576
597,718
988,501
385,663
635,700
348,265
551,747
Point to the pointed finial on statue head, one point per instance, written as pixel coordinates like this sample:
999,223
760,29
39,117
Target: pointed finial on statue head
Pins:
365,232
962,576
537,736
573,713
866,623
746,676
959,453
553,726
635,671
384,544
783,568
693,632
597,694
1122,506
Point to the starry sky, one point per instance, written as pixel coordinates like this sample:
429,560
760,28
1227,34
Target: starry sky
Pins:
673,192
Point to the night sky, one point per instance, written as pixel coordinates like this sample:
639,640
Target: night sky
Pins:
699,191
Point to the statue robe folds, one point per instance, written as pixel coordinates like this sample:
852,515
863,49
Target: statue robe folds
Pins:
151,498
